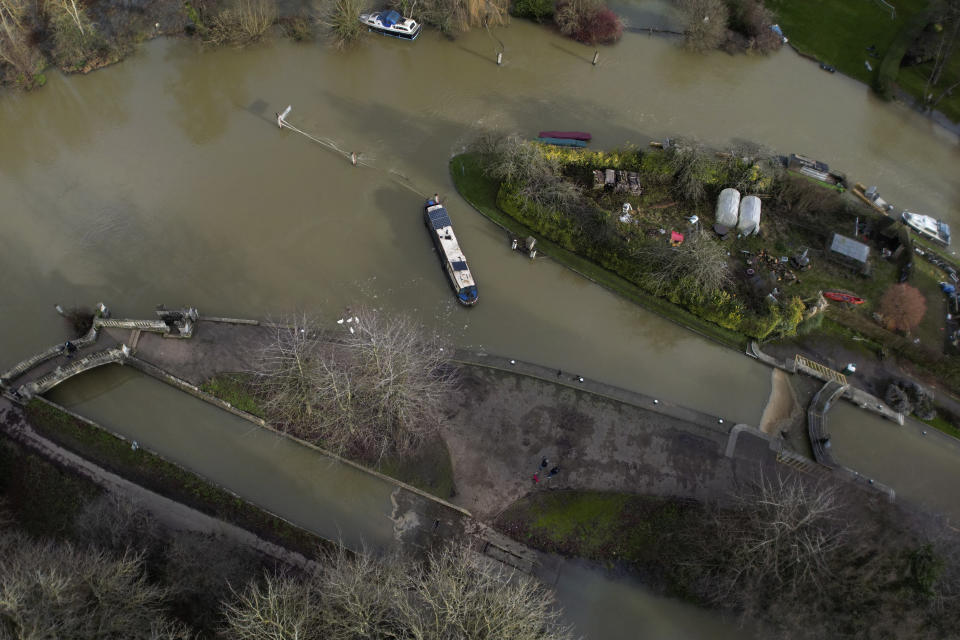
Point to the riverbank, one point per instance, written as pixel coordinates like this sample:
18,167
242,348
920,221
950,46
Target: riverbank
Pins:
517,419
769,301
481,193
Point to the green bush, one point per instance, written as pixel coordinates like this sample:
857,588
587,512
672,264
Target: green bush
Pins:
810,325
538,10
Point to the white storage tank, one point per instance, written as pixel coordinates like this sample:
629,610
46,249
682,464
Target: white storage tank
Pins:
749,215
728,203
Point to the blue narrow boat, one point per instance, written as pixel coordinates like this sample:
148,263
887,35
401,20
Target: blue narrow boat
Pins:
562,142
451,256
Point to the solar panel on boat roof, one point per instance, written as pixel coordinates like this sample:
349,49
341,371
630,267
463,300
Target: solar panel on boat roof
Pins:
439,218
459,265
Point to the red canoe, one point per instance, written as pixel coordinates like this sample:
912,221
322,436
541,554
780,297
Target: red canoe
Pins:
843,297
567,135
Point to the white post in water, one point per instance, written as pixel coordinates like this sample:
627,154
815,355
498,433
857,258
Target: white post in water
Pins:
499,57
596,57
281,117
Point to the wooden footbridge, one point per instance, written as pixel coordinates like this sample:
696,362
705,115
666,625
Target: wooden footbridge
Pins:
802,364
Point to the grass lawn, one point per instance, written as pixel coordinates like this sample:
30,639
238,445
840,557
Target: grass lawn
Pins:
167,479
926,278
235,389
838,32
944,425
481,193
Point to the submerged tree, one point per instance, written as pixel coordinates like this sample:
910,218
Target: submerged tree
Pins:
341,20
705,21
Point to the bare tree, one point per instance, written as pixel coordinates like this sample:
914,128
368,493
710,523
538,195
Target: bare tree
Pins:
453,594
278,608
698,267
454,16
457,589
943,54
902,307
375,387
53,590
705,23
113,523
242,22
341,20
15,47
779,537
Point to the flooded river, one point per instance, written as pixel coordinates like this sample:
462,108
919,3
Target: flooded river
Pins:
340,502
919,462
164,179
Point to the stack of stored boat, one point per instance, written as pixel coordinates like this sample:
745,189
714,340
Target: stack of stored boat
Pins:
565,138
815,169
925,226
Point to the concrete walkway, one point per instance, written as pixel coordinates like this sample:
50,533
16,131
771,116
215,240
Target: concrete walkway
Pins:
575,381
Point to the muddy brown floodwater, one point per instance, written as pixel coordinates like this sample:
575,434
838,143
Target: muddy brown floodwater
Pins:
164,179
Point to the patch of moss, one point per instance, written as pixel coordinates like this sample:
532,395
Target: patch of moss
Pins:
235,388
612,528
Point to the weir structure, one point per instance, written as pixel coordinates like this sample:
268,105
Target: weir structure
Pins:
417,514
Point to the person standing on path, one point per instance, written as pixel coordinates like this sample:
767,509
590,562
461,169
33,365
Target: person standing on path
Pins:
554,471
544,463
536,479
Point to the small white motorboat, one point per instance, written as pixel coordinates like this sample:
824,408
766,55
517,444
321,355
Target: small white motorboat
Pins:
928,227
391,23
